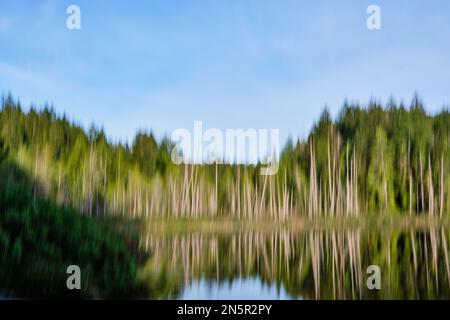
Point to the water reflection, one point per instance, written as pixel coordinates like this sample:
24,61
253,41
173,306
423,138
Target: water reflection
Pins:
319,264
236,289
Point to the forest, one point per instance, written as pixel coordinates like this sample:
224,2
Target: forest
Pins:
376,159
64,190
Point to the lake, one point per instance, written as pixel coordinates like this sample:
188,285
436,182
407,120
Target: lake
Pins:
287,264
236,289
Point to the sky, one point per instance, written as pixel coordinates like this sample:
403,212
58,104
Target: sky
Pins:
162,65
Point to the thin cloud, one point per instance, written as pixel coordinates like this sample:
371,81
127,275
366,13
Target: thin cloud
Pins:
5,24
16,74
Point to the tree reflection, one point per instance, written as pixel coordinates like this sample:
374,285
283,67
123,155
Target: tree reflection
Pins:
319,264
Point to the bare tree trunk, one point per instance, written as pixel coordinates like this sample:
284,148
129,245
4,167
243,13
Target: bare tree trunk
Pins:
421,183
441,197
105,183
330,188
430,188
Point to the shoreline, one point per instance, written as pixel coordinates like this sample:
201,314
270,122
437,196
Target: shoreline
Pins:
230,225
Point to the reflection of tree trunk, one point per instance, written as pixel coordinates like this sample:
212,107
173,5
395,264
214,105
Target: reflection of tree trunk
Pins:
427,271
335,260
413,245
447,264
434,253
315,261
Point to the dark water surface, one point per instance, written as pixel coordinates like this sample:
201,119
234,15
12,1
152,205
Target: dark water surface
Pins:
327,264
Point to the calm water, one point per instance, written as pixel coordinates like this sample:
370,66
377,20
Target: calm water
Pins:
236,289
281,264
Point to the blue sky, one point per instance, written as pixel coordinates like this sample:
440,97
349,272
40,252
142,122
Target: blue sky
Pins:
232,64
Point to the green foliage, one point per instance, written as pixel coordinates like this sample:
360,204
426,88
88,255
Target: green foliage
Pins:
372,158
39,240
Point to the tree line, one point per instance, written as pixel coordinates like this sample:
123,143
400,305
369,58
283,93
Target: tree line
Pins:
372,159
